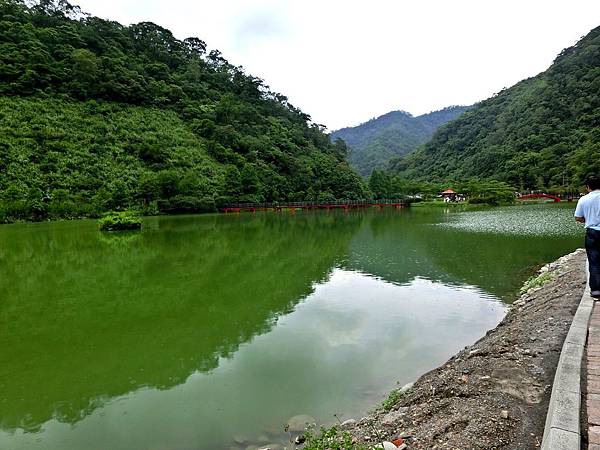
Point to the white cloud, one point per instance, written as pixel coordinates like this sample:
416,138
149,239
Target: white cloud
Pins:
344,62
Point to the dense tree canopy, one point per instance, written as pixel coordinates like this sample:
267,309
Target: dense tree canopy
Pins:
543,132
493,192
96,115
374,143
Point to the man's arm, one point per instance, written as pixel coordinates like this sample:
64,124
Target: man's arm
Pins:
579,216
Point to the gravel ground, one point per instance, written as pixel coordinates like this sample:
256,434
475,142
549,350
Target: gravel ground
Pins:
493,394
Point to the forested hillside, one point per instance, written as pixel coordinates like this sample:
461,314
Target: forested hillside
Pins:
543,132
373,143
95,115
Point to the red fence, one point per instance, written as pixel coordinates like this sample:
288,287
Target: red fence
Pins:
541,195
346,205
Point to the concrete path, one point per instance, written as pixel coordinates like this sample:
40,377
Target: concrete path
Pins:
593,379
563,427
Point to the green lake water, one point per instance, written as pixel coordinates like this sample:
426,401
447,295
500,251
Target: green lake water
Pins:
202,328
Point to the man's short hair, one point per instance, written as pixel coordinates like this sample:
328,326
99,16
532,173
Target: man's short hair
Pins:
593,182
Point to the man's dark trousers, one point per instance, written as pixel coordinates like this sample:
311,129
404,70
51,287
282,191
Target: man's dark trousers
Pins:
592,246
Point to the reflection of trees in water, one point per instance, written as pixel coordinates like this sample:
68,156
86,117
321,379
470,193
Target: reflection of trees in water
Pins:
85,318
400,247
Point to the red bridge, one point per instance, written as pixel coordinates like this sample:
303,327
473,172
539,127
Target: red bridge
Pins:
541,195
293,206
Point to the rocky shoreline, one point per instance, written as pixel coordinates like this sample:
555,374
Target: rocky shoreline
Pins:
495,393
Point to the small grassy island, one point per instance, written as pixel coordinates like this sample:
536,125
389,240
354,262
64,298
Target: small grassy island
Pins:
124,221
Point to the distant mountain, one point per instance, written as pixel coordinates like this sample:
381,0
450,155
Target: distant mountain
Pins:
373,143
542,132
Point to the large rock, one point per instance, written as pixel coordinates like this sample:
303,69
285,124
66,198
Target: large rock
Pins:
299,423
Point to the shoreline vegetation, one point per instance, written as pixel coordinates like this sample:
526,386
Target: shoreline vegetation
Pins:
381,187
189,206
104,117
492,394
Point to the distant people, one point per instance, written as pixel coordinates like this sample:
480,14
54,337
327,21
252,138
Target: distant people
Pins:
588,212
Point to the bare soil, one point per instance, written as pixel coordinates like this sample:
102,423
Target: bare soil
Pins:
495,393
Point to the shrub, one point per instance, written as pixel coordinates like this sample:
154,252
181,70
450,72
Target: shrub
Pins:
120,222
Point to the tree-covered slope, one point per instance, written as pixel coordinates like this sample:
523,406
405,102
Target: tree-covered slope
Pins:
96,115
373,143
543,132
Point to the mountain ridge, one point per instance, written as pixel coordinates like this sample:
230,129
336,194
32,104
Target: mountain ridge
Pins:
374,143
542,132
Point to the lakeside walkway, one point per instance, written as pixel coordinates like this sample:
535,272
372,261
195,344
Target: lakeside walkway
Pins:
592,393
577,381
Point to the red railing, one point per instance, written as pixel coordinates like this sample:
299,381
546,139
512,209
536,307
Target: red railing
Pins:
540,195
340,204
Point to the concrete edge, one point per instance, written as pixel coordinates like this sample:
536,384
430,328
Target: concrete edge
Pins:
562,429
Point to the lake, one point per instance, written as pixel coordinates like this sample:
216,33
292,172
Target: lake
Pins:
202,329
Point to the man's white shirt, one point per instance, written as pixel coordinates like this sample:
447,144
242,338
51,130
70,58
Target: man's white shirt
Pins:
588,207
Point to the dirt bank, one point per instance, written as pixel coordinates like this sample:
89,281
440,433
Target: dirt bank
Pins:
494,394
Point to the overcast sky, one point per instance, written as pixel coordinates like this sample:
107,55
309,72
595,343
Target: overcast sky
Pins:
344,62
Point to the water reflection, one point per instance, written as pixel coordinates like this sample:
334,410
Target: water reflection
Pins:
456,249
83,320
182,336
351,340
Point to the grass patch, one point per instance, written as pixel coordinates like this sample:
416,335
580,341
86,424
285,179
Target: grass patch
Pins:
538,281
393,398
331,439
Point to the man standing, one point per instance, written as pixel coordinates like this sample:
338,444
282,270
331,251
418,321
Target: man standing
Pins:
588,212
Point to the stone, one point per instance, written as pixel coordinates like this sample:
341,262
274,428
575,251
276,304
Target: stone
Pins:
385,445
594,434
300,439
407,387
348,423
300,422
394,416
272,447
504,414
